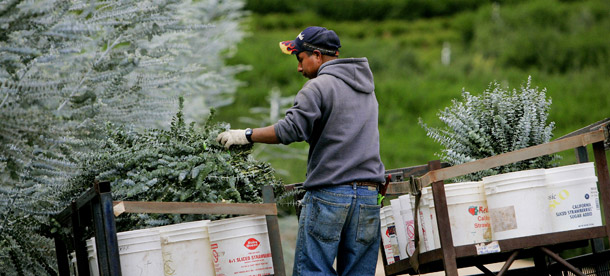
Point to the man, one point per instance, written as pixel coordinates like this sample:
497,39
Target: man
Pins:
336,113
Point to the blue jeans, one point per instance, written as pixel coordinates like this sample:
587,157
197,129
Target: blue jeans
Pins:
338,222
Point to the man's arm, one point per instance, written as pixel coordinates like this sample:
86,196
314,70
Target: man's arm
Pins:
265,135
238,136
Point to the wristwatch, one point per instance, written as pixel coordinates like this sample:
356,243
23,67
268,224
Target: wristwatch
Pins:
249,135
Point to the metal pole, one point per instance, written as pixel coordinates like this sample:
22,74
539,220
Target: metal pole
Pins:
603,180
562,261
103,264
540,264
273,229
581,154
110,233
61,252
509,262
80,247
597,245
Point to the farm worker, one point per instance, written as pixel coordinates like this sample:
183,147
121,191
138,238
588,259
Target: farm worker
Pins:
336,113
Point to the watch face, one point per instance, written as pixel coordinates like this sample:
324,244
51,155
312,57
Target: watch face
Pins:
249,135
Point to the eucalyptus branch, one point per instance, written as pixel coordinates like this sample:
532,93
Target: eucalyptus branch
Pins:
4,100
6,215
497,121
109,47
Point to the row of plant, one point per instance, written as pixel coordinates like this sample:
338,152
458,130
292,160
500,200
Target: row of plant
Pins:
547,35
369,9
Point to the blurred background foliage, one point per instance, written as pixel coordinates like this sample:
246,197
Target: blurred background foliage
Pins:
562,45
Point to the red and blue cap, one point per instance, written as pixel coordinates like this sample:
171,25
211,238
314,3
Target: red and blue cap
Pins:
313,38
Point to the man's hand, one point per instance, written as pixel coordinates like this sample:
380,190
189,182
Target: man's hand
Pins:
232,137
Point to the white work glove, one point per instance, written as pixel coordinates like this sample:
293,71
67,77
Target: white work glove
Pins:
232,137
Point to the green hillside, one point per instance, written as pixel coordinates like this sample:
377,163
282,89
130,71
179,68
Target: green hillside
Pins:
562,45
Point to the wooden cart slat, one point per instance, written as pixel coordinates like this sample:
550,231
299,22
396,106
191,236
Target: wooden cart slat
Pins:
512,157
194,208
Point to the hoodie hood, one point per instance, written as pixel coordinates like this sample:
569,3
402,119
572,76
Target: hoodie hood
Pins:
353,71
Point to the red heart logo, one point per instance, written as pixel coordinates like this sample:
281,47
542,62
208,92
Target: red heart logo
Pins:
472,210
252,243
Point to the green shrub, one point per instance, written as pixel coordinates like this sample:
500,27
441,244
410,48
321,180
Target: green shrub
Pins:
548,35
367,9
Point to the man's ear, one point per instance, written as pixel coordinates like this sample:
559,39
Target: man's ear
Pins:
317,53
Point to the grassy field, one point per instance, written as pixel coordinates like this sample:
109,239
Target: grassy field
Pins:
563,46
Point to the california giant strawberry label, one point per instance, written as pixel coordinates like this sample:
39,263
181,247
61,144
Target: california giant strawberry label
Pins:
470,223
482,216
575,206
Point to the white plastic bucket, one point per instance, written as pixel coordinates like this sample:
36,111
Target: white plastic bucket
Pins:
92,257
406,212
391,232
385,237
240,246
526,175
426,231
574,203
73,266
140,252
437,239
186,249
468,213
401,233
570,172
517,204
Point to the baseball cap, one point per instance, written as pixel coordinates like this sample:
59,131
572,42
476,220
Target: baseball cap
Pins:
313,38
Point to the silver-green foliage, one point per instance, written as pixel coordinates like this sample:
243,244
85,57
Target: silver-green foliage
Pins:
182,164
497,121
67,68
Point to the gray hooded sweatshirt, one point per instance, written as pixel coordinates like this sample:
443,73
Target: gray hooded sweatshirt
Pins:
336,113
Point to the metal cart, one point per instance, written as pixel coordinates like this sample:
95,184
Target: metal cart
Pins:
94,211
539,247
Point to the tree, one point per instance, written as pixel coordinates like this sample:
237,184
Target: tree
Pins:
68,68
